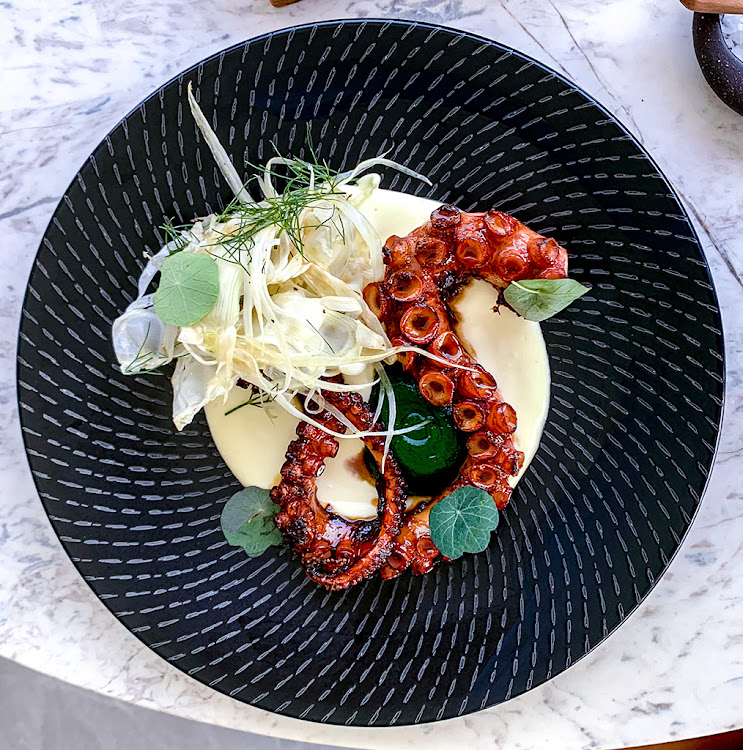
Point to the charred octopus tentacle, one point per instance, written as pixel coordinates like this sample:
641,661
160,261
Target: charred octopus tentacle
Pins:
336,552
424,271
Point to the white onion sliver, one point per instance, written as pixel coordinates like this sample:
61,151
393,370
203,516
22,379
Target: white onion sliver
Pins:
220,155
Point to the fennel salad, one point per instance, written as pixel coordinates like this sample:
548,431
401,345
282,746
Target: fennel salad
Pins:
267,294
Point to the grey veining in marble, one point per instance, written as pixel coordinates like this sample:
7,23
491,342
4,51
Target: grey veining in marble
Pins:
72,68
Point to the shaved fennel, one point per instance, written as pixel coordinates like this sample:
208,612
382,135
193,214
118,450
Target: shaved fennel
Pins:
290,312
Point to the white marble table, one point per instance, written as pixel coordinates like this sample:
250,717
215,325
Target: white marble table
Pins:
70,69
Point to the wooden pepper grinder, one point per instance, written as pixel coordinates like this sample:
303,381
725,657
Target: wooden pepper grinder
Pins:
714,6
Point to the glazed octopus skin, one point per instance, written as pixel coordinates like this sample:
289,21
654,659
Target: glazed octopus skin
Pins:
336,552
424,271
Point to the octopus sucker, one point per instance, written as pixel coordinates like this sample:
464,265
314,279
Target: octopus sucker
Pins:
424,271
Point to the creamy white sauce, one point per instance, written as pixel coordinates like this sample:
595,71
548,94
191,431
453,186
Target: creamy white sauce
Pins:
512,350
253,441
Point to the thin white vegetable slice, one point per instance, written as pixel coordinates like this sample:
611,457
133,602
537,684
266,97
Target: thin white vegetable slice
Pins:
220,155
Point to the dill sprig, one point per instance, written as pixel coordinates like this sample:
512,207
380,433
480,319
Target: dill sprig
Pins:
256,398
178,234
137,366
304,184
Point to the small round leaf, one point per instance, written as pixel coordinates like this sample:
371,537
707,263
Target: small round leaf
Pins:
247,521
188,290
462,522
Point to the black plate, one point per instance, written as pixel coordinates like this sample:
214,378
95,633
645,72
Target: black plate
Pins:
637,386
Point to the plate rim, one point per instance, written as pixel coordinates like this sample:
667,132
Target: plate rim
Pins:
386,22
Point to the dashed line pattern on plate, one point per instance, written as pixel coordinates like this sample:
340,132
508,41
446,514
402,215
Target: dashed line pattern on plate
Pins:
637,371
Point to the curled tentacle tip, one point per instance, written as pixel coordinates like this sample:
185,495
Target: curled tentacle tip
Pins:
424,270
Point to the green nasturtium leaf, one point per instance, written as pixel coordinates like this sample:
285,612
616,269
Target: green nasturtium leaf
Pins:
462,521
539,299
247,521
188,290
